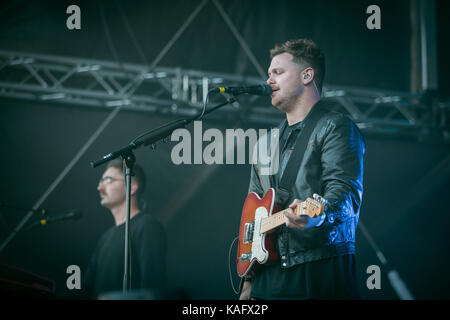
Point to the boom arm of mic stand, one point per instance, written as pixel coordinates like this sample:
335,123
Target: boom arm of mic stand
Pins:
153,137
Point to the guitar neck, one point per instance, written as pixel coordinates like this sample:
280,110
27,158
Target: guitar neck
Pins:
274,221
309,207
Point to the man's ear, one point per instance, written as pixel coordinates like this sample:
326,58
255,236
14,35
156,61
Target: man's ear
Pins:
308,76
134,187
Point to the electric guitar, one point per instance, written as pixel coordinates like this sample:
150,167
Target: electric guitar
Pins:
258,219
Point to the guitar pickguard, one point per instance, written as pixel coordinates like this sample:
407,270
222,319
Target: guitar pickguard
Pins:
259,251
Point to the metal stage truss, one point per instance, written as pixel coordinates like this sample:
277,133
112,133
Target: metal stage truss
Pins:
182,92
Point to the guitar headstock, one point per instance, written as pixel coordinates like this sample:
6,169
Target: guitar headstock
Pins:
312,207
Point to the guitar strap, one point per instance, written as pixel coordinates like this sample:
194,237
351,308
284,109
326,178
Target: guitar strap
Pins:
290,172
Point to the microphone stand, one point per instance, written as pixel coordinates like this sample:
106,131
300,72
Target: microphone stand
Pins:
129,160
18,228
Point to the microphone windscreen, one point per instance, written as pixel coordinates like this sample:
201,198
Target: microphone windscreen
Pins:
266,90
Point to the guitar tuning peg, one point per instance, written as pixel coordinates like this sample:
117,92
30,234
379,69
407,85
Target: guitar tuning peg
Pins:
319,199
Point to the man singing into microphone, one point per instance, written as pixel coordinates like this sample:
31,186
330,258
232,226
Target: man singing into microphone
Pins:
316,256
148,241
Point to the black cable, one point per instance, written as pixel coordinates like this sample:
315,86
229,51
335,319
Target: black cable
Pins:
108,35
204,106
131,33
110,42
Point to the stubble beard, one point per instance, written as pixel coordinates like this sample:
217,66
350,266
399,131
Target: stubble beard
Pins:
284,106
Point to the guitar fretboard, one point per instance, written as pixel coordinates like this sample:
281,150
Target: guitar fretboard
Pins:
309,207
274,220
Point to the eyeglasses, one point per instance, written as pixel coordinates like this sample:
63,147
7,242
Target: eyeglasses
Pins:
108,180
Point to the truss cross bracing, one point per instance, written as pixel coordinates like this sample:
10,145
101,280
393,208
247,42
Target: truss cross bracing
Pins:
181,92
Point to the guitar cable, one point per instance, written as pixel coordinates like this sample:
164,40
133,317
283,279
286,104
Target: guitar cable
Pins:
229,265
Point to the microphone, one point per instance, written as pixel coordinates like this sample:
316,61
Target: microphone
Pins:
260,90
74,214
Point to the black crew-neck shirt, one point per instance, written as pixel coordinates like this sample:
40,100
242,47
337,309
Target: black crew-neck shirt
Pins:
147,253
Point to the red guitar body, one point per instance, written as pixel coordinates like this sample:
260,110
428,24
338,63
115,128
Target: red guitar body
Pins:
253,247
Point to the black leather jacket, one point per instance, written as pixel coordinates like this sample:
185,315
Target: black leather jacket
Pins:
332,166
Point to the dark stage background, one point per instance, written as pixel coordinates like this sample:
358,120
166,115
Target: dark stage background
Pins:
405,204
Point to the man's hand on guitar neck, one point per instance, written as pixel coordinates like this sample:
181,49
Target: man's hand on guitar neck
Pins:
301,221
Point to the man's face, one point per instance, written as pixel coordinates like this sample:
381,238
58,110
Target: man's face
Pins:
285,80
112,188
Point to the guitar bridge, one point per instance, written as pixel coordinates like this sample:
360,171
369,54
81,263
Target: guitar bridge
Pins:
248,232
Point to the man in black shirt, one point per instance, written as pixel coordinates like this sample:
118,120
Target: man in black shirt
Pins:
147,237
316,255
